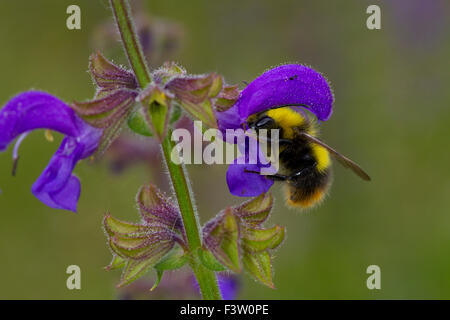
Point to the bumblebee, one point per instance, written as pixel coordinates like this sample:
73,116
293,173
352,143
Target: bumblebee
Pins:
305,164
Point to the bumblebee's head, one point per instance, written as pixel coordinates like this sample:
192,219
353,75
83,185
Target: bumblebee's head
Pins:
261,121
280,118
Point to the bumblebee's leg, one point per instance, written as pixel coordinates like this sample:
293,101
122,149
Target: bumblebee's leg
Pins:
281,177
275,177
280,141
284,141
302,171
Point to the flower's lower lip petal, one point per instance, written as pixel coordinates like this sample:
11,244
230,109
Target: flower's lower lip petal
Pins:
35,110
66,198
287,85
56,186
245,184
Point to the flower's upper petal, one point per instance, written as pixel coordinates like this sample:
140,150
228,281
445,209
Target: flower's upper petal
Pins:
286,85
36,110
246,184
290,84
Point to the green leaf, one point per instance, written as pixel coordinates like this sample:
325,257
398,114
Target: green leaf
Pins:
258,265
209,261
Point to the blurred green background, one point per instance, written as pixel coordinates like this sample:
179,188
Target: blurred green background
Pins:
391,115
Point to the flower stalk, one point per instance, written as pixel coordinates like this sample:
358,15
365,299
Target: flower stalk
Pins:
205,277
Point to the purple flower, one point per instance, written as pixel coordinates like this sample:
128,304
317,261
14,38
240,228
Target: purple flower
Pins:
287,85
57,187
229,285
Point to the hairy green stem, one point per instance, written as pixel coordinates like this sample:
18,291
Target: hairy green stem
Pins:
205,277
124,21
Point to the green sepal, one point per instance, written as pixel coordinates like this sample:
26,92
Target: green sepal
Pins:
259,266
262,239
175,259
227,98
195,95
158,114
139,249
134,270
256,210
216,86
209,261
202,111
138,124
137,268
107,75
115,226
155,105
110,134
168,72
226,235
176,113
116,263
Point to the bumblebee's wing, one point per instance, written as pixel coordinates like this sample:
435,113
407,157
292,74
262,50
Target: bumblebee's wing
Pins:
346,162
